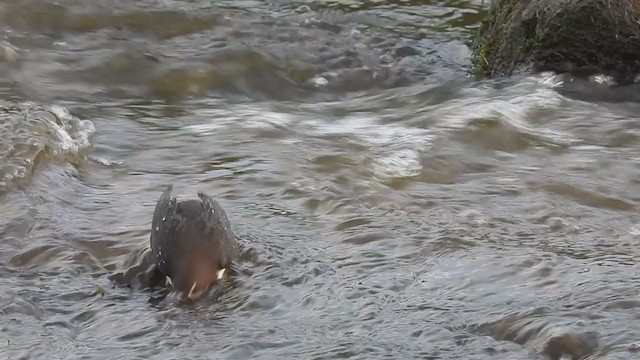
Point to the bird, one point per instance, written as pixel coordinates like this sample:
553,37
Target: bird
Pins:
192,242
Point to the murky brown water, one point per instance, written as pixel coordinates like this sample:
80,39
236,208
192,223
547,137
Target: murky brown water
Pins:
388,205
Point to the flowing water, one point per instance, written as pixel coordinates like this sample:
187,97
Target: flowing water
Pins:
388,205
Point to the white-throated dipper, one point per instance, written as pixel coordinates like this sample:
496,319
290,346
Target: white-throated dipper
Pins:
191,242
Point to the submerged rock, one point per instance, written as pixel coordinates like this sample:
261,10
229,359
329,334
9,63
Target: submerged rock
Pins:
582,37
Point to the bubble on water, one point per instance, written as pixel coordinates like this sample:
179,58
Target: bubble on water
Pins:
385,58
360,46
164,218
303,9
60,112
400,163
320,81
473,217
556,223
470,214
602,79
107,162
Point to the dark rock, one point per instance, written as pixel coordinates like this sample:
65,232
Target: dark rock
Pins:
575,345
581,37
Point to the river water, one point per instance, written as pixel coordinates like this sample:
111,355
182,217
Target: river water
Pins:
388,205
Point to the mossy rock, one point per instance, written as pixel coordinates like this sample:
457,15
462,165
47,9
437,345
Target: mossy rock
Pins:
575,36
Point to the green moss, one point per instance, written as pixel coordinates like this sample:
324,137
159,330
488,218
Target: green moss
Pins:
481,64
490,34
530,43
484,25
525,48
480,60
100,291
526,35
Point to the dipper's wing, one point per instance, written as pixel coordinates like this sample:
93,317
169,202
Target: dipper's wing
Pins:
218,225
162,228
215,214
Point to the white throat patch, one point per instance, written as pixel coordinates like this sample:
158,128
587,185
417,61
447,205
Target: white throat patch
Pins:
192,288
220,273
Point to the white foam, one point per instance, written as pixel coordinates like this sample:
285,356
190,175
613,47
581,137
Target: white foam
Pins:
513,107
396,147
401,163
240,117
549,78
51,127
320,81
72,133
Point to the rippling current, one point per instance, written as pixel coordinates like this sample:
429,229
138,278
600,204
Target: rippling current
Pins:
388,204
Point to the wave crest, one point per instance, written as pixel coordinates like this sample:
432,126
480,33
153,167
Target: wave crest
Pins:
31,134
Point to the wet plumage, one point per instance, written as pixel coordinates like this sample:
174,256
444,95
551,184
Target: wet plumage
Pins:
191,241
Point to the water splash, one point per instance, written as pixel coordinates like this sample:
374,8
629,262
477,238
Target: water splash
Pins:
31,133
